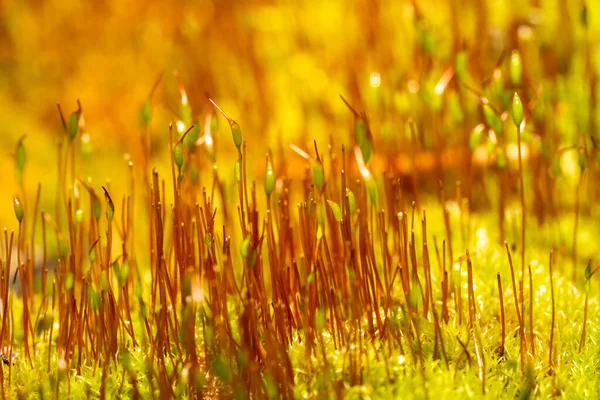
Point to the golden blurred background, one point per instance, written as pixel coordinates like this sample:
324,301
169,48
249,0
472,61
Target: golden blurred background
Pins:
277,67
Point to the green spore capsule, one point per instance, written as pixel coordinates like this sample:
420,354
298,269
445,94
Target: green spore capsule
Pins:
588,272
269,179
186,114
360,131
335,208
515,69
110,206
73,126
517,110
192,136
146,112
318,174
461,65
19,213
96,208
491,118
351,201
475,137
236,132
178,155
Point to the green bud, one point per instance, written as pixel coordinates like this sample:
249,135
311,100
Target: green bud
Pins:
19,213
515,68
517,110
178,155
